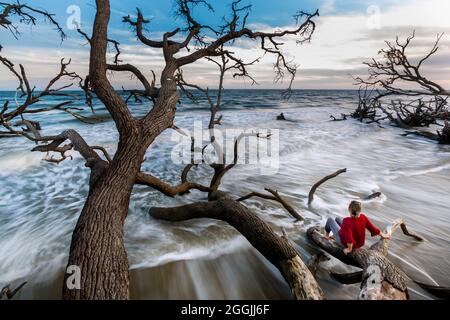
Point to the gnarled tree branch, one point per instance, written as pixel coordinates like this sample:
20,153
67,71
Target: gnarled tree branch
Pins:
320,182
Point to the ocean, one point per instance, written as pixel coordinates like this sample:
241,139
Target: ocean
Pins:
205,259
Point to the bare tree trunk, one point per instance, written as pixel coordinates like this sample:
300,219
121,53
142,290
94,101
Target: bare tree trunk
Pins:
97,246
276,249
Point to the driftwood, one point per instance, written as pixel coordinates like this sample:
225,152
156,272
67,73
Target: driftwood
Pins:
372,196
442,136
380,278
274,248
10,293
348,278
438,291
314,262
343,117
320,182
366,106
281,116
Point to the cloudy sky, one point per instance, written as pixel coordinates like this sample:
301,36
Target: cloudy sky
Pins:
348,33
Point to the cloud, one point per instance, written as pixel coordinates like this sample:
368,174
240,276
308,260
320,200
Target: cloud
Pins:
327,7
341,43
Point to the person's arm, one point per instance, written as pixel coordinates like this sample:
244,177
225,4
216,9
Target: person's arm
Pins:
374,231
347,238
349,248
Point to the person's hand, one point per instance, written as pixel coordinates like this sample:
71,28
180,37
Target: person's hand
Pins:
347,251
384,235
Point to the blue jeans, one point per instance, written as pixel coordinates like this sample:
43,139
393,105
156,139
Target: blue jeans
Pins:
334,225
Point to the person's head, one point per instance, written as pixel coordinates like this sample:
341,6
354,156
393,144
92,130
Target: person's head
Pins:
355,208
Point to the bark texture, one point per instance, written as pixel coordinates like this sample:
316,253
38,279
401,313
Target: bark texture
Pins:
97,243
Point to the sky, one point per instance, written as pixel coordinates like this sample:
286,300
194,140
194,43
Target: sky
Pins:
348,32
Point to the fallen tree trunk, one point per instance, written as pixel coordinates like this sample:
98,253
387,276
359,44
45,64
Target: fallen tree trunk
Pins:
274,248
381,279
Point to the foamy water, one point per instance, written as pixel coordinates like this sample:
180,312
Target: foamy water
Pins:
40,202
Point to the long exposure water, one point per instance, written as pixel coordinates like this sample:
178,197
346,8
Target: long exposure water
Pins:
206,259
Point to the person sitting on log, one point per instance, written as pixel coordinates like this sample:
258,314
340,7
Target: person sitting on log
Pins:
350,232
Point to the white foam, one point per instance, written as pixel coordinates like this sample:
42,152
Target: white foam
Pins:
19,161
191,253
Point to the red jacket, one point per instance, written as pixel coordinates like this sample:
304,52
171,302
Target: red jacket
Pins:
353,230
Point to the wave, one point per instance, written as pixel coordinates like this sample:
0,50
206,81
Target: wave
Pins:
195,252
18,162
395,174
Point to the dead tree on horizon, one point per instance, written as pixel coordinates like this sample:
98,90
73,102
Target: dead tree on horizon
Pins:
97,245
396,90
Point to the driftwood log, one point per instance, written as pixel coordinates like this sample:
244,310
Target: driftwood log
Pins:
320,182
372,196
274,248
10,293
380,278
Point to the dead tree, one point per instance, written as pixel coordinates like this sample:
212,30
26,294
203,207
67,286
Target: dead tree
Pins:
415,113
418,101
274,196
389,74
27,15
366,109
222,206
14,114
380,278
97,246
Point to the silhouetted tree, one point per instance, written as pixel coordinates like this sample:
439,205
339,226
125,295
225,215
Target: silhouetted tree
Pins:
416,101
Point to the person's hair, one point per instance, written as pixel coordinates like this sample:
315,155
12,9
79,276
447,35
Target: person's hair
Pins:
355,207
